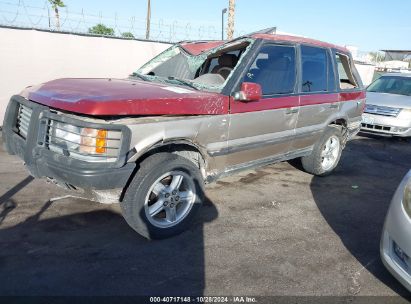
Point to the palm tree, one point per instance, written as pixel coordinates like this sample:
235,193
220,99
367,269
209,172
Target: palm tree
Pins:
55,4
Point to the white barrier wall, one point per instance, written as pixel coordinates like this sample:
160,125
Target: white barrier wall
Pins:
31,57
366,72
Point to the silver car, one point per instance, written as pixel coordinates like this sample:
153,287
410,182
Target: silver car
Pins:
396,236
388,106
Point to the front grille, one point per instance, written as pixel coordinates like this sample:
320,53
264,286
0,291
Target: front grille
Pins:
71,140
381,110
23,120
376,127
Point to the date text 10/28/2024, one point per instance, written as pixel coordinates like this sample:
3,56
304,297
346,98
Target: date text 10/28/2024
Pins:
234,299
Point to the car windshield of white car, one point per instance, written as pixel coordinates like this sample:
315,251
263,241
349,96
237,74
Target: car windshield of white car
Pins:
392,85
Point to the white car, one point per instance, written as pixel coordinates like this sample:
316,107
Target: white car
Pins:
396,237
388,106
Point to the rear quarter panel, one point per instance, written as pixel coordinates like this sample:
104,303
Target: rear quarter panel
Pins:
352,106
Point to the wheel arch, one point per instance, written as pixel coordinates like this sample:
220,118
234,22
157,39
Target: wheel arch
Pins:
343,123
340,122
182,147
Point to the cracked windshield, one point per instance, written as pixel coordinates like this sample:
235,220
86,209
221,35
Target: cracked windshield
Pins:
208,71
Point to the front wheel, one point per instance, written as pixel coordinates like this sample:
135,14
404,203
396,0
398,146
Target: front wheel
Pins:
163,196
326,153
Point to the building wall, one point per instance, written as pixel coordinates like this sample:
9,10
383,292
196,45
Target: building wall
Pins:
30,57
366,72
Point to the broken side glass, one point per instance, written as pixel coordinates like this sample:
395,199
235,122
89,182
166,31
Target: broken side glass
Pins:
176,66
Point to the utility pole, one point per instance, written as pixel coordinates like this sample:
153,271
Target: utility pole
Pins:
230,26
148,19
222,22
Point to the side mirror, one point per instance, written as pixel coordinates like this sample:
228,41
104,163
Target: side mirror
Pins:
250,91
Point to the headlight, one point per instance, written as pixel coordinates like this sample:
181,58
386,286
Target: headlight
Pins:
67,134
84,143
406,201
405,114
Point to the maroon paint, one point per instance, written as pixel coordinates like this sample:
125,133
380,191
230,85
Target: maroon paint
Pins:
314,99
125,97
252,91
352,95
196,48
264,104
293,101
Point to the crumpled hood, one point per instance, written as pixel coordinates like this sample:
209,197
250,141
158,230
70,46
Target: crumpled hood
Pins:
125,97
389,100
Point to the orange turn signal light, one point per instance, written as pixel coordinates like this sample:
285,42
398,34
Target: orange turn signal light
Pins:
101,141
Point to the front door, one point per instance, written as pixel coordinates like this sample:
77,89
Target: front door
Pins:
265,128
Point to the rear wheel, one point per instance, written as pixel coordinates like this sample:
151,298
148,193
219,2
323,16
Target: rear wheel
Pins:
163,196
326,153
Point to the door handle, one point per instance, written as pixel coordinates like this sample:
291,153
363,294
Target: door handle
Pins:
334,105
291,110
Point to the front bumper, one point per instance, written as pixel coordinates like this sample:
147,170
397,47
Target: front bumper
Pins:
41,162
386,125
397,233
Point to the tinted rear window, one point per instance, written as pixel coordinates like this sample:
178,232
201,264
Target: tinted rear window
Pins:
314,69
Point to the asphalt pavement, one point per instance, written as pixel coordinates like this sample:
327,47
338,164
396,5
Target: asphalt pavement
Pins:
271,231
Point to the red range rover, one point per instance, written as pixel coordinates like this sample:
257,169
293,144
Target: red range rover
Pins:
196,112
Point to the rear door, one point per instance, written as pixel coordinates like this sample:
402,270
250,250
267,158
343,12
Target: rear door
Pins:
319,99
265,128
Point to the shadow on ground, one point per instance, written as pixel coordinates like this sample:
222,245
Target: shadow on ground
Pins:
7,204
355,199
96,253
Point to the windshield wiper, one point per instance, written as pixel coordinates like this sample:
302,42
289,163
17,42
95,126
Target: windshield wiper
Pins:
141,76
183,82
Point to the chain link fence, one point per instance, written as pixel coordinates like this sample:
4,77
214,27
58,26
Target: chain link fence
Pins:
20,13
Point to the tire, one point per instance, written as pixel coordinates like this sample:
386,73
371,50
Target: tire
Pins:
153,204
320,162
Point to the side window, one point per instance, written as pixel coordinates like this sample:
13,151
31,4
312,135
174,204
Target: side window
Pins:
274,69
346,78
314,69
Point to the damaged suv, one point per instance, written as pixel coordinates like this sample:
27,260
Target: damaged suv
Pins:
197,112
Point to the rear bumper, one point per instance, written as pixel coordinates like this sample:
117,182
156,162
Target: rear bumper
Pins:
41,162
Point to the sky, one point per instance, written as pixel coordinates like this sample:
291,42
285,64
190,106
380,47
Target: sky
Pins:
368,24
